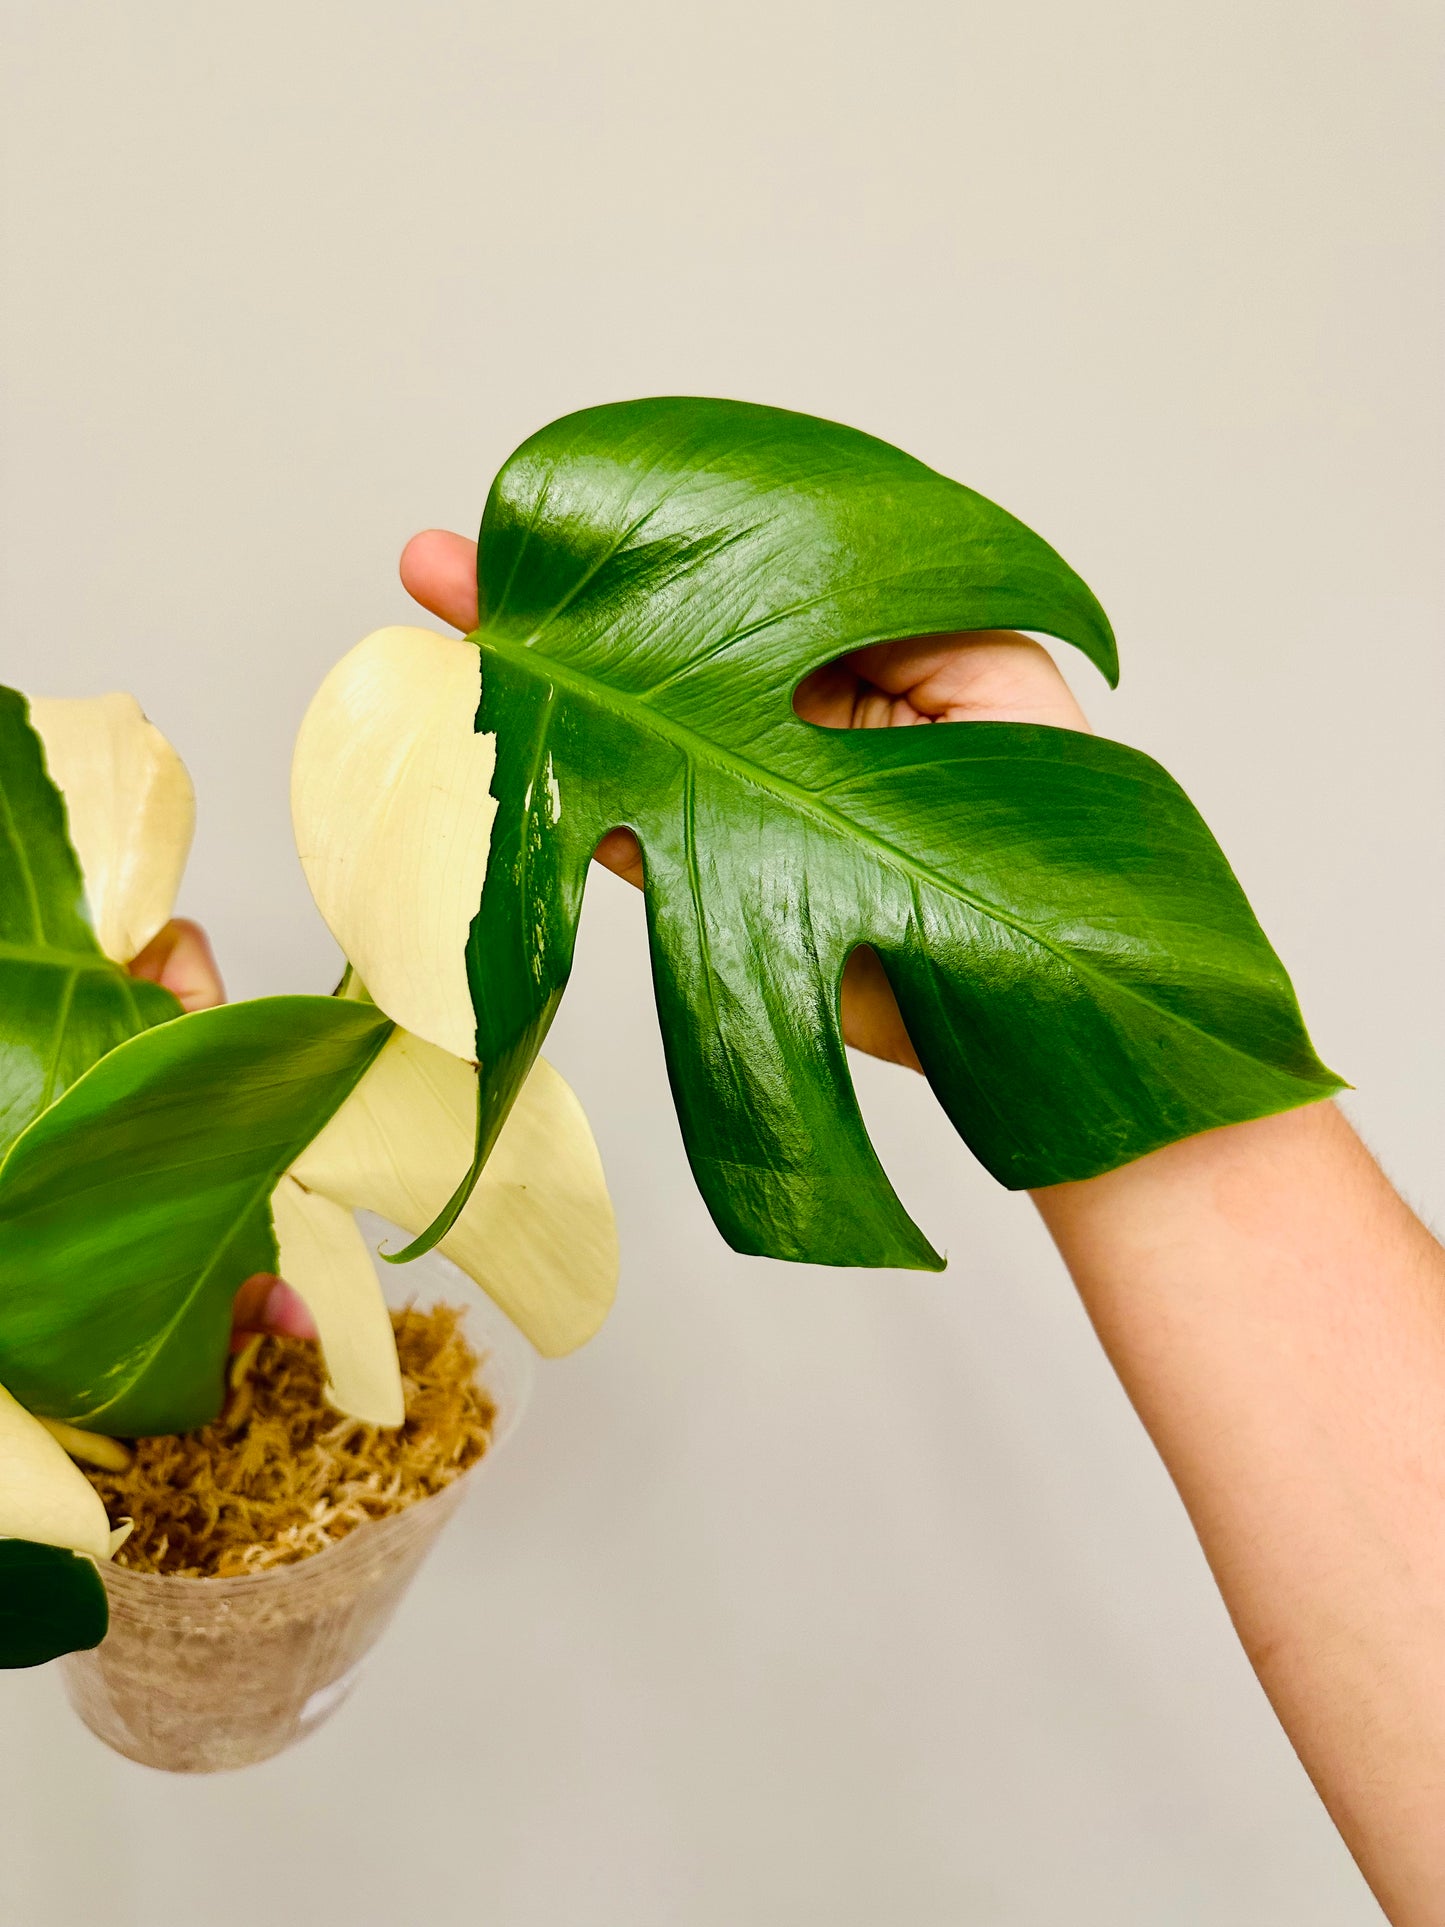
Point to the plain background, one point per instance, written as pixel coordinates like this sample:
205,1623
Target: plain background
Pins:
805,1597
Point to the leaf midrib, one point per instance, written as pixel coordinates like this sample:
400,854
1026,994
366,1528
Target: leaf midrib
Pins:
256,1197
707,749
55,957
703,748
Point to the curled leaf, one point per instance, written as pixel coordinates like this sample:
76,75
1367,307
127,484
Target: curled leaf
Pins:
133,1209
131,812
537,1234
391,802
44,1496
324,1258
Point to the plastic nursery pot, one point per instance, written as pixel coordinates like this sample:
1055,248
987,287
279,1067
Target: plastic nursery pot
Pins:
202,1675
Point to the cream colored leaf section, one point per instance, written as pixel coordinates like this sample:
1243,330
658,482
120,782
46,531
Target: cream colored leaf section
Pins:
537,1233
91,1448
131,811
43,1496
323,1257
392,808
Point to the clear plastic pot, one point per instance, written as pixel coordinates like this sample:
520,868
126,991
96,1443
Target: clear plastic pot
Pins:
202,1675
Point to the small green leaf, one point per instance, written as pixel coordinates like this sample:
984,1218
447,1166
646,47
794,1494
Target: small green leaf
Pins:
65,1003
51,1602
132,1210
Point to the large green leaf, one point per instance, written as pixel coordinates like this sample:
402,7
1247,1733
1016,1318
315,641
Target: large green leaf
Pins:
132,1210
52,1601
1079,971
63,1003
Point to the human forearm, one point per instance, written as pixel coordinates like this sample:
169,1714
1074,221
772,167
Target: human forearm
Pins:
1277,1316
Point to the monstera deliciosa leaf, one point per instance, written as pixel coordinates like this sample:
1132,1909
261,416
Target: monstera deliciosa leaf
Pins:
1079,971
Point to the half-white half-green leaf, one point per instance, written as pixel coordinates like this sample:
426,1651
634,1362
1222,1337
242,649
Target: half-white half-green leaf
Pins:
130,810
392,808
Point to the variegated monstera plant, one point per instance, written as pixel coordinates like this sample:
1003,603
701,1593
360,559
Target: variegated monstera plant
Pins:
152,1160
1078,969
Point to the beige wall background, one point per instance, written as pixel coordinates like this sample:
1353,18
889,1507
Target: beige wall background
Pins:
847,1598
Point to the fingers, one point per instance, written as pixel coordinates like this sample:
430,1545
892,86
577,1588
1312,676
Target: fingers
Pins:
829,695
180,960
872,1021
266,1303
618,852
440,571
989,676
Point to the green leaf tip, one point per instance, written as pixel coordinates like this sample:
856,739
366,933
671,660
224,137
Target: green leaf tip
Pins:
52,1601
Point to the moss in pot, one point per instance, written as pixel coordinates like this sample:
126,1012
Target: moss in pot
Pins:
200,1674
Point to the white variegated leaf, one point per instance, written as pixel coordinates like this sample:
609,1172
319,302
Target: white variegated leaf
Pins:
44,1497
392,808
324,1258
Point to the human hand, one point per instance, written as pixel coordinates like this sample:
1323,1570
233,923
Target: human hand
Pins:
991,676
179,958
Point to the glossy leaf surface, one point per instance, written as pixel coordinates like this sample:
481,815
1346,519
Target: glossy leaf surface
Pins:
1079,971
64,1002
44,1495
132,1210
51,1602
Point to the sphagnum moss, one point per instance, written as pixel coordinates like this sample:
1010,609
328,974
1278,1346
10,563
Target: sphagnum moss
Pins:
281,1474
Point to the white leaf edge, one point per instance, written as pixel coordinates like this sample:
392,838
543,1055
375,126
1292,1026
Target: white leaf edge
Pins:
130,807
392,809
538,1233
